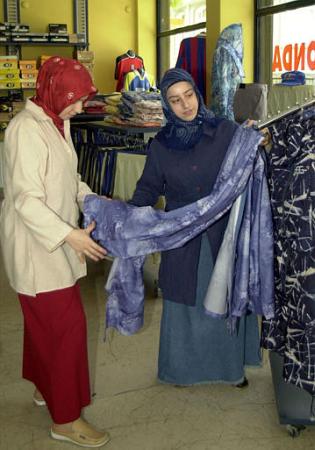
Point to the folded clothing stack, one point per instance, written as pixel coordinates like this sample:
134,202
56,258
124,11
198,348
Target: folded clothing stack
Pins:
142,109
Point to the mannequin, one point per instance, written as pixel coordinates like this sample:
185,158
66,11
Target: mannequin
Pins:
130,53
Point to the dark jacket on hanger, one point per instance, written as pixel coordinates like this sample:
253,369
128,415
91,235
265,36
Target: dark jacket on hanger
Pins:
292,189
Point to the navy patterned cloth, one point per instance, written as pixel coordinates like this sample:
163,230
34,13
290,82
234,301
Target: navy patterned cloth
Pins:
292,185
131,232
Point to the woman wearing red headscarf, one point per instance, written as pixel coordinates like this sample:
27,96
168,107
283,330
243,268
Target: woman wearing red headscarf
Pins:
44,250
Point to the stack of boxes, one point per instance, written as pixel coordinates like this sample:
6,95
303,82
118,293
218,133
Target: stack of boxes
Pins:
87,59
28,73
9,72
22,74
9,106
9,79
5,115
16,74
58,32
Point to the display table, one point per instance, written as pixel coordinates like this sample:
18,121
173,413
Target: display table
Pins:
282,98
129,168
144,132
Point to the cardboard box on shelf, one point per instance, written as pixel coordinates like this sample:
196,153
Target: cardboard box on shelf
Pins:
10,84
20,37
28,84
58,38
27,64
89,66
4,37
9,74
17,107
19,28
5,116
58,28
3,126
29,74
77,38
4,64
5,106
8,58
85,56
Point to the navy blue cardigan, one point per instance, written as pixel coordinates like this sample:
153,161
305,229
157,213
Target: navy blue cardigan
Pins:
184,177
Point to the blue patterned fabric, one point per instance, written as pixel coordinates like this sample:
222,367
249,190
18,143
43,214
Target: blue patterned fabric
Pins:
227,70
131,233
292,186
177,133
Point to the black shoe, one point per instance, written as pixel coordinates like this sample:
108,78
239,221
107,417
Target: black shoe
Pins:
242,384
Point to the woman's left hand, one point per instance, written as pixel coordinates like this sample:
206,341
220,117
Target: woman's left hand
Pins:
84,245
266,142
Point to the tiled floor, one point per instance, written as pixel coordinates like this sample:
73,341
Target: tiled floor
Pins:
139,413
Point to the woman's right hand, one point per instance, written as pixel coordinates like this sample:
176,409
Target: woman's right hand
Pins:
83,244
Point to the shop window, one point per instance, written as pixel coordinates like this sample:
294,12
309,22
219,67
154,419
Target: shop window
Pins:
264,3
286,40
177,20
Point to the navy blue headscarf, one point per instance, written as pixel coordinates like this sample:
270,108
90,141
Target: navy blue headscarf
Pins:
177,133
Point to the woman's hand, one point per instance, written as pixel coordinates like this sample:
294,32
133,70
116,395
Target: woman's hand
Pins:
266,142
81,242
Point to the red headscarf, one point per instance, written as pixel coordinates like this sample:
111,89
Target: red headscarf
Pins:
61,82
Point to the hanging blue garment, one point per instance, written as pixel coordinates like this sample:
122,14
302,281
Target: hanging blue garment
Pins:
227,70
131,233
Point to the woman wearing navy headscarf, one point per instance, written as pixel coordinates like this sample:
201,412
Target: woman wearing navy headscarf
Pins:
182,164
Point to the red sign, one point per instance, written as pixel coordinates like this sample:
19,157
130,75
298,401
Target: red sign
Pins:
294,57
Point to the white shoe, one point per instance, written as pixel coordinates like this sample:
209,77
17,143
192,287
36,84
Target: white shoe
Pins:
82,434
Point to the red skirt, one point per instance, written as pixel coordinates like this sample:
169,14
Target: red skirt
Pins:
55,351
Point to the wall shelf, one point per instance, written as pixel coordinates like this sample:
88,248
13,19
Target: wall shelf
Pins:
43,44
80,13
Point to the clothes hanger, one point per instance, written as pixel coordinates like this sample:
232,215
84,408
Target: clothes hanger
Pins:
266,122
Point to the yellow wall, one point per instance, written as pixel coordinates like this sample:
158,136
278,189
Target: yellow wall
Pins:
242,11
114,27
147,34
38,14
112,31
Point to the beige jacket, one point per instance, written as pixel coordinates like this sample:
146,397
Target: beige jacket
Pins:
42,192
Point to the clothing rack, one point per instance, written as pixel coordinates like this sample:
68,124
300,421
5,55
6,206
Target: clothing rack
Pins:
99,150
266,122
